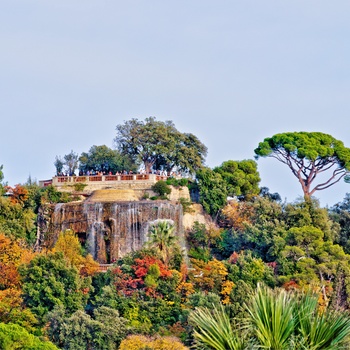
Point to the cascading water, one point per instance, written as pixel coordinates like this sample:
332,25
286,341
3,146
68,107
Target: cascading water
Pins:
95,226
113,229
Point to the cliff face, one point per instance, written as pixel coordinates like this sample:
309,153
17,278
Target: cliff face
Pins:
109,229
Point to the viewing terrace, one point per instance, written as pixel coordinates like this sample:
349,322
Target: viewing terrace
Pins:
93,182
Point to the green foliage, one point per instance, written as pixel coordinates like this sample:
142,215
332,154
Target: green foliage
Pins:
212,190
145,195
308,154
202,299
104,159
271,318
278,320
2,189
13,336
172,181
214,330
15,221
250,269
79,186
241,177
47,281
198,242
258,226
186,205
321,330
104,331
162,238
340,213
160,145
51,195
59,165
161,188
143,290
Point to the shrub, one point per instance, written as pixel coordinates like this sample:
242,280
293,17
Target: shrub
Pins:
79,186
161,188
177,182
186,205
141,342
145,195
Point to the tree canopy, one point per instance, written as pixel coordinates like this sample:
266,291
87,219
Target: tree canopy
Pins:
104,159
212,190
69,163
160,144
309,155
242,177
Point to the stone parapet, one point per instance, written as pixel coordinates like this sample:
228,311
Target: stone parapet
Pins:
137,183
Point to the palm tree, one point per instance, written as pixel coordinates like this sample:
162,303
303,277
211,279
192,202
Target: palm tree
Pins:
161,237
325,330
213,330
271,318
278,320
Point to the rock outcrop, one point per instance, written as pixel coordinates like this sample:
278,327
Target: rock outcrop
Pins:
108,229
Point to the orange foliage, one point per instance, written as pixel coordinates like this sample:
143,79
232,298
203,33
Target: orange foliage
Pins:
9,276
90,266
12,253
233,258
142,267
208,276
237,214
226,290
185,289
18,194
124,283
291,285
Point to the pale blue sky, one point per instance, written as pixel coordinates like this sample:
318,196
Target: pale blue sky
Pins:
230,72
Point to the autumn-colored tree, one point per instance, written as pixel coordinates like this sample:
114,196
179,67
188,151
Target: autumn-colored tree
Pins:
68,244
18,194
236,214
141,342
12,255
146,273
12,308
208,276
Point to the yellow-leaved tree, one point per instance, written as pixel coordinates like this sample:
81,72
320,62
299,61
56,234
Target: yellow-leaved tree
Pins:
68,244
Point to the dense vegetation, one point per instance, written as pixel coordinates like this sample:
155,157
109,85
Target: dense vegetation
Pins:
259,260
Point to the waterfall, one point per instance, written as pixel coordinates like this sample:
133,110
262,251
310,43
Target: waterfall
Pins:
111,230
95,226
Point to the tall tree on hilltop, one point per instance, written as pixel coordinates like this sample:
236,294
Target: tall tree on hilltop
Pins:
157,143
71,162
309,155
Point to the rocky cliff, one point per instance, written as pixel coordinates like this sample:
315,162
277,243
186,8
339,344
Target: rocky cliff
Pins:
108,229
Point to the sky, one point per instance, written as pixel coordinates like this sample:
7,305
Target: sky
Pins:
230,72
